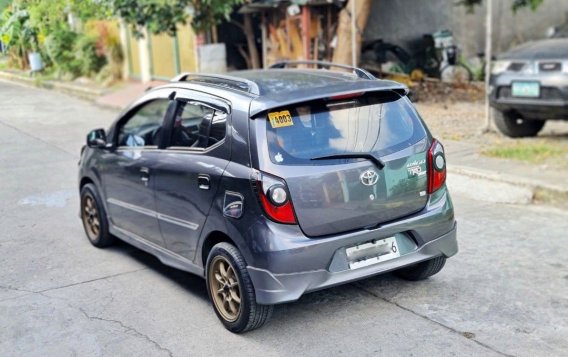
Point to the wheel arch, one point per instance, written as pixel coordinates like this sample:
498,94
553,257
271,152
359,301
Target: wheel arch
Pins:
85,180
209,242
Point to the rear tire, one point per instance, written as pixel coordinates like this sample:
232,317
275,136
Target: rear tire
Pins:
422,270
94,218
514,126
231,290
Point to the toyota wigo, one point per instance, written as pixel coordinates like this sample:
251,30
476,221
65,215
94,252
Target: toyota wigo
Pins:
271,184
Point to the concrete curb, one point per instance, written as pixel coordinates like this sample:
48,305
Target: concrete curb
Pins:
83,92
504,188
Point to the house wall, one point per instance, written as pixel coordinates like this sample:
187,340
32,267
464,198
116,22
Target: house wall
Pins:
405,21
160,56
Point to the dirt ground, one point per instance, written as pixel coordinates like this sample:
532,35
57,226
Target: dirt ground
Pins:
463,120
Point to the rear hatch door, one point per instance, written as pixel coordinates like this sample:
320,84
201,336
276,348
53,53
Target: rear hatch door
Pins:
315,147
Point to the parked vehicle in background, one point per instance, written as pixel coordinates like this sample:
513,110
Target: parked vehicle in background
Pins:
272,183
529,85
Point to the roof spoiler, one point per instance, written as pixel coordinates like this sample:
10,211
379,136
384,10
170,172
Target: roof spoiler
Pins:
359,72
259,107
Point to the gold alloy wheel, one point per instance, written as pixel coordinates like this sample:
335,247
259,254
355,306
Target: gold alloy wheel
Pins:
90,216
224,288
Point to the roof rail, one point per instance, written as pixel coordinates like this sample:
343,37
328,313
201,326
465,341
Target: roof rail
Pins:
220,80
359,72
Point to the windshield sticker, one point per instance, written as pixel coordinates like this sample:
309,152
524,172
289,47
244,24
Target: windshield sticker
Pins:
278,157
280,119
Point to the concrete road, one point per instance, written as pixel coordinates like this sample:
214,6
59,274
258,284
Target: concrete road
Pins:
506,293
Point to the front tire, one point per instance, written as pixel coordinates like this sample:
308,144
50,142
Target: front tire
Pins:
422,270
94,217
514,126
231,290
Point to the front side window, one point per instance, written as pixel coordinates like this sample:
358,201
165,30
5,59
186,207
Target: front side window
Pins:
198,126
144,127
366,124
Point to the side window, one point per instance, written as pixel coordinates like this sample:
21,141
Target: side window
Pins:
198,126
145,126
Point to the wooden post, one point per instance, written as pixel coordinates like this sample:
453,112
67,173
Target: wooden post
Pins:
264,45
353,34
343,52
306,31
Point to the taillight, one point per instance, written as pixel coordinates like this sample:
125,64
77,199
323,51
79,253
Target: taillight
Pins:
275,198
436,166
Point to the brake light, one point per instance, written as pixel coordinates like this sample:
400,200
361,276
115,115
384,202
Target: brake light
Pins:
436,166
346,96
275,198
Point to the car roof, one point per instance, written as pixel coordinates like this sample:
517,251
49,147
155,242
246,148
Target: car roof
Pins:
272,88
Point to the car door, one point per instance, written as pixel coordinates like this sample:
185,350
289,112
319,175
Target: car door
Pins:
126,170
187,179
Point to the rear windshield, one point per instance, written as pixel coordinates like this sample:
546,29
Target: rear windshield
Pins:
369,124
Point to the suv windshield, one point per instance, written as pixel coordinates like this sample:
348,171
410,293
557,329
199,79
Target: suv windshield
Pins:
366,124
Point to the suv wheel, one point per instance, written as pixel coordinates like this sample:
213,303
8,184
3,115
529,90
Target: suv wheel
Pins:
94,217
514,126
231,291
422,270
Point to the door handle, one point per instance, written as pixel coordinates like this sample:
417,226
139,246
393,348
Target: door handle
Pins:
144,175
203,181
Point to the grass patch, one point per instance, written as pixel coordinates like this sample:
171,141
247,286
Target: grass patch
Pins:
536,153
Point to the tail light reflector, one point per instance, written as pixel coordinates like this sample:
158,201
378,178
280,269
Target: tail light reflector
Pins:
275,198
436,166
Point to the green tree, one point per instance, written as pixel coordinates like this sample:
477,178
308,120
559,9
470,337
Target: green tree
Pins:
163,16
18,34
517,4
4,4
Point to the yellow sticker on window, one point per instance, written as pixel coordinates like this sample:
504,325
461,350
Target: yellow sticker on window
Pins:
280,119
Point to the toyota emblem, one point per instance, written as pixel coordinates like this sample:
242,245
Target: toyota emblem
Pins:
369,177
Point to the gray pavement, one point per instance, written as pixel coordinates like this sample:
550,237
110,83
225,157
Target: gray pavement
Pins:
504,181
505,293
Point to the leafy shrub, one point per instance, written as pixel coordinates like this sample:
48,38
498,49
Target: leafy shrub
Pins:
74,54
108,43
59,47
18,35
91,60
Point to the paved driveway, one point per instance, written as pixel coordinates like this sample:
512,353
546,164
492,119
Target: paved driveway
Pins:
506,293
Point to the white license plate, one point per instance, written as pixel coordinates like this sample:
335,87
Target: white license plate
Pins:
370,253
525,89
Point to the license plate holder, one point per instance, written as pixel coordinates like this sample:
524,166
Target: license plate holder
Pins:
525,89
372,252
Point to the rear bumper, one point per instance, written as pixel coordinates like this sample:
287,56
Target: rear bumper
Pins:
294,265
279,288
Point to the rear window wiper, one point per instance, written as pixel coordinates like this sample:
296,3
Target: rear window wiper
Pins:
353,155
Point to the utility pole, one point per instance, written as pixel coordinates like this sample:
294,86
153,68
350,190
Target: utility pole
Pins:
488,55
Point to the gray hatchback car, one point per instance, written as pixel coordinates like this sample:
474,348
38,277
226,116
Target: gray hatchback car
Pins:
271,184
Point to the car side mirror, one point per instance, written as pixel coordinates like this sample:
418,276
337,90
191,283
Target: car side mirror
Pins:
96,138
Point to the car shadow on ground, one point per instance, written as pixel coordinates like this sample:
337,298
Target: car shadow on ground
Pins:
191,283
297,313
